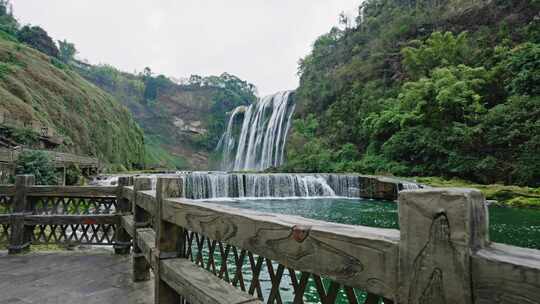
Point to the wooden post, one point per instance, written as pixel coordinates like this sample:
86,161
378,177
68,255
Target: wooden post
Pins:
21,236
440,229
169,238
122,238
141,219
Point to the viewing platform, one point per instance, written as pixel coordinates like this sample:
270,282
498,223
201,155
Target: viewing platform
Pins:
207,253
80,277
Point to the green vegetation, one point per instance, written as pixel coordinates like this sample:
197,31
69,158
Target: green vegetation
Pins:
36,84
66,51
159,103
90,120
40,165
425,88
37,38
511,196
157,157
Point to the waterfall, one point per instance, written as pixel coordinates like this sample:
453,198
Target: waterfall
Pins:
207,185
263,135
228,144
410,186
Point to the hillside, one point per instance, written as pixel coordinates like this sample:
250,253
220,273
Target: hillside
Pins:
35,86
182,122
424,88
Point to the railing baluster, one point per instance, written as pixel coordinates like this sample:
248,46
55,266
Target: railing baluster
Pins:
21,235
122,239
440,230
141,219
169,239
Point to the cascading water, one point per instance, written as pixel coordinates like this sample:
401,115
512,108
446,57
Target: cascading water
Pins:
261,141
209,185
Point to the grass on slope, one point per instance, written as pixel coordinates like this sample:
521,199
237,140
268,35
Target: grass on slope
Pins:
34,86
157,157
511,196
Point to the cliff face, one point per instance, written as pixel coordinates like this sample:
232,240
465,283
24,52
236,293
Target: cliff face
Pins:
177,121
181,122
35,87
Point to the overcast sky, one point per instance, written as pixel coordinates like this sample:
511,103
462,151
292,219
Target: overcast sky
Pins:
257,40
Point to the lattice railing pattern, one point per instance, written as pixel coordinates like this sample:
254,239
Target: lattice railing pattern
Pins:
264,278
5,204
88,234
73,205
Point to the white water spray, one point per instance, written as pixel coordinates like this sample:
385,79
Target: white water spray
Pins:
262,139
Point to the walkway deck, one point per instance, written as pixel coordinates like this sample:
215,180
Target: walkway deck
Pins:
96,276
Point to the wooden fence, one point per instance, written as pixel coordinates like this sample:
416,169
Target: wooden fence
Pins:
32,214
209,253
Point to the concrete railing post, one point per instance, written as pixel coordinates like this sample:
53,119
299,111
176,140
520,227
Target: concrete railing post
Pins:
20,236
169,238
141,219
122,238
440,229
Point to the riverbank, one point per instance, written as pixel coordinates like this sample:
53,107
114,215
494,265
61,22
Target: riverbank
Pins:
501,195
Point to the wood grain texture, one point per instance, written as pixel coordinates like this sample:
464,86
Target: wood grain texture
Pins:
72,219
128,193
73,191
439,230
7,190
141,218
147,201
199,286
20,236
146,240
506,275
129,224
355,256
123,206
169,238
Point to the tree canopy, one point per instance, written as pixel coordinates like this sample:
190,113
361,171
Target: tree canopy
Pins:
415,89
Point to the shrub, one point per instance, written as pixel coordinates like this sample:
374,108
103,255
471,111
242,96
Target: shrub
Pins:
39,164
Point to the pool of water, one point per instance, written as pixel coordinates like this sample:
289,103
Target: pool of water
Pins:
518,227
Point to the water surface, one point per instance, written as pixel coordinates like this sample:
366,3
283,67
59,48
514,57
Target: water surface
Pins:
519,227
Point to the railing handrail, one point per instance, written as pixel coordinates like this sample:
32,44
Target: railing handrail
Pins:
391,255
442,245
36,212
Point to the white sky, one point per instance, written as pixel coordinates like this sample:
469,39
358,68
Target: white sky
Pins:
257,40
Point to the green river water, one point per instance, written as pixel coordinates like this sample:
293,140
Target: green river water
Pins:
519,227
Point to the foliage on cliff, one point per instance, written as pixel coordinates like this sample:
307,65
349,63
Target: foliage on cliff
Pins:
34,86
425,88
182,120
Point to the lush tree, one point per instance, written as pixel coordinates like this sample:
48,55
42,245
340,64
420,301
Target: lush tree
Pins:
415,89
37,38
8,23
39,164
439,50
524,66
230,93
67,51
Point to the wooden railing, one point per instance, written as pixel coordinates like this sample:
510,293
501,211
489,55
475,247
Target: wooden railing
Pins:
32,214
441,254
209,253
